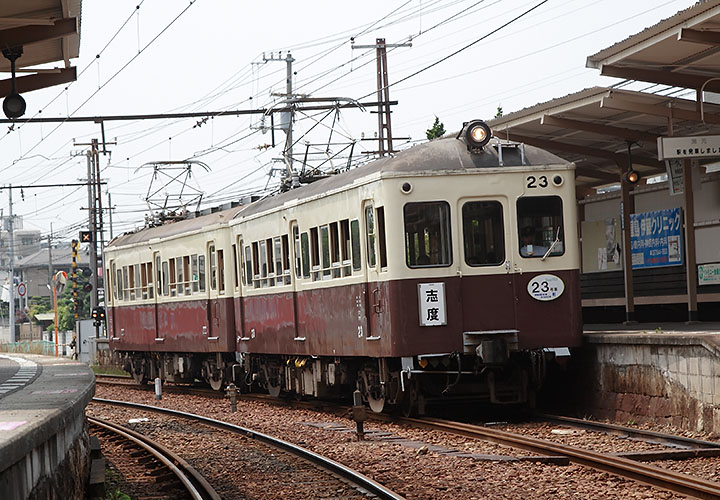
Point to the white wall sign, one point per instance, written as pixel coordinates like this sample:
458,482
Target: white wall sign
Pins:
546,287
699,146
674,170
431,300
709,274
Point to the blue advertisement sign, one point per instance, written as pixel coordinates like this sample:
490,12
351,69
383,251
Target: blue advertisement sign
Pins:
656,238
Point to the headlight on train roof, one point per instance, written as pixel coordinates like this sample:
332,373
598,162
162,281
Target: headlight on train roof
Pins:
477,134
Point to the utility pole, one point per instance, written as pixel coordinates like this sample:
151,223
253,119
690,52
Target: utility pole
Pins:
11,291
291,179
94,206
110,209
383,93
50,265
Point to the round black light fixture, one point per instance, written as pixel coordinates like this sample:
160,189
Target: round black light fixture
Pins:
14,105
406,187
477,134
558,180
632,177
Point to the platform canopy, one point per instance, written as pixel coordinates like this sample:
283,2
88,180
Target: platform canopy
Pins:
597,127
48,31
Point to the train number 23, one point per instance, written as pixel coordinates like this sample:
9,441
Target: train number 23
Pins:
536,182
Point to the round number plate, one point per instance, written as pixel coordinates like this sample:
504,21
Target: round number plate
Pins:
546,287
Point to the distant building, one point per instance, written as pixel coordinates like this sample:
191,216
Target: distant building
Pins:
27,241
35,272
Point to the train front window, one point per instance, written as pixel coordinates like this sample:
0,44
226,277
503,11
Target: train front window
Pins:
540,226
427,234
483,233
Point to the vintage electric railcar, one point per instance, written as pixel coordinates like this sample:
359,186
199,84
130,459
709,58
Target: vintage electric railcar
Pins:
447,271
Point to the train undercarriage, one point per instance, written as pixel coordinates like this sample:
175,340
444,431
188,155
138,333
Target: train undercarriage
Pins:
408,384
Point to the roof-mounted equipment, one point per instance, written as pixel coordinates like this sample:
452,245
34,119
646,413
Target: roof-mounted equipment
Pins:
476,134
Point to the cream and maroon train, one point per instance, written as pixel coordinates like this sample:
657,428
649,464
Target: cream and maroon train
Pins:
447,271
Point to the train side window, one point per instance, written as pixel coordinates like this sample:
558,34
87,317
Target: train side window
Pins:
131,284
256,264
150,284
165,281
483,232
180,275
325,246
305,242
194,272
427,234
270,261
119,284
263,264
188,276
345,247
540,226
213,267
173,278
278,256
355,242
335,249
298,254
221,270
370,229
138,288
108,284
236,282
116,276
315,254
248,266
381,237
143,281
158,276
201,272
126,283
287,278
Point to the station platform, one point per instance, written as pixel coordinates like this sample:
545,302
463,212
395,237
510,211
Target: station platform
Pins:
666,373
44,448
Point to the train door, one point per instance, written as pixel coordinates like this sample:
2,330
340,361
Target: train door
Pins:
216,262
154,289
376,259
111,298
297,259
487,283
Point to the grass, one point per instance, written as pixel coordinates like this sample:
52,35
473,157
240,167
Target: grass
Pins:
108,370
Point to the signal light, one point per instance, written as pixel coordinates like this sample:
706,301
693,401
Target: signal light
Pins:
87,287
631,177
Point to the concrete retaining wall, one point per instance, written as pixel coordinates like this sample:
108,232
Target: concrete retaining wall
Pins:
663,378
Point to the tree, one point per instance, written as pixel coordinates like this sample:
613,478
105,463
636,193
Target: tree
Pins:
437,130
499,112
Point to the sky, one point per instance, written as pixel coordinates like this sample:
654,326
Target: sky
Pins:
467,59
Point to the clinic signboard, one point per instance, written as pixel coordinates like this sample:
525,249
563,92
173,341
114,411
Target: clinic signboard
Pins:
656,238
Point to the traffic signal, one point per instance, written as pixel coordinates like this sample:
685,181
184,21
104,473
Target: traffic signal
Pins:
86,237
98,315
87,287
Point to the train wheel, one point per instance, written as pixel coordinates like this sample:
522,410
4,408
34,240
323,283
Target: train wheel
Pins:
139,371
376,402
409,403
216,383
273,390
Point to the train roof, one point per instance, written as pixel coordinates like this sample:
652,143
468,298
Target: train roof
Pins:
175,228
424,159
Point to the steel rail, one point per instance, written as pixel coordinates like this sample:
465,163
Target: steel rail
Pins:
325,463
654,476
195,484
645,435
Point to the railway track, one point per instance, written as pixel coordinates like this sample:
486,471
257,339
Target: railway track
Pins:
363,486
632,465
614,464
172,474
